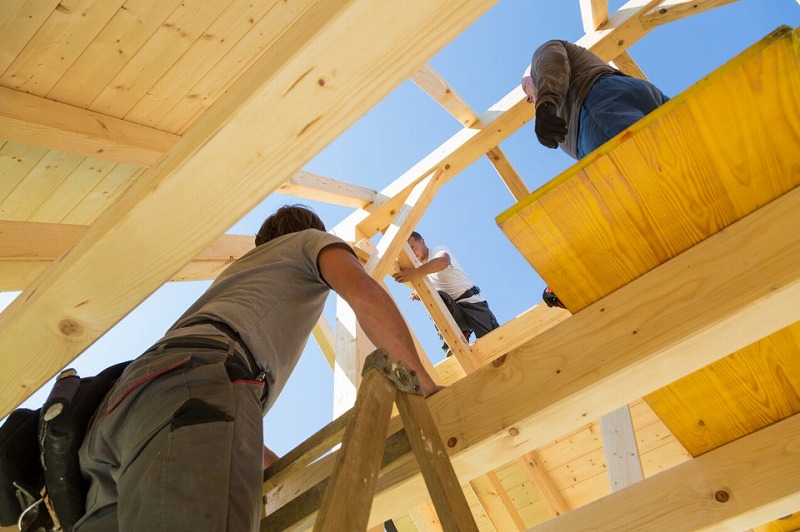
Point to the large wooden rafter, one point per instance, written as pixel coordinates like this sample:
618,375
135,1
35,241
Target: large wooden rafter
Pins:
72,304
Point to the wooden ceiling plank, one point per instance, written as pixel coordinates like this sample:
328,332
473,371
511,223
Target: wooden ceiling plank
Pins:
572,377
95,202
68,30
594,13
117,42
16,162
735,487
672,10
20,22
320,188
211,47
29,119
265,33
72,304
158,54
71,192
37,186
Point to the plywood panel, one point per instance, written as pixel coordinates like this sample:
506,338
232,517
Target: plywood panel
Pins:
682,173
743,392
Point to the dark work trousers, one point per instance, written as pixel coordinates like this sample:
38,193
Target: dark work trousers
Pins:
176,446
470,317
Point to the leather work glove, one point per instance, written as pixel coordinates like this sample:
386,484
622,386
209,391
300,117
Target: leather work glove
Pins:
550,128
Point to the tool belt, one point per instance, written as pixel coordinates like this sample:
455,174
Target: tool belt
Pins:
474,291
41,485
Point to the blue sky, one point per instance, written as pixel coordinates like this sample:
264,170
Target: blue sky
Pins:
482,65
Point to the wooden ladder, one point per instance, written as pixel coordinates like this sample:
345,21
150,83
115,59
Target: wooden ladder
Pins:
349,491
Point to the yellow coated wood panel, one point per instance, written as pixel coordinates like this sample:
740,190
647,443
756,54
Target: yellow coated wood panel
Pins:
710,156
741,393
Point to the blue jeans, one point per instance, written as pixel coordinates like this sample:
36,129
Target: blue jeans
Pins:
612,105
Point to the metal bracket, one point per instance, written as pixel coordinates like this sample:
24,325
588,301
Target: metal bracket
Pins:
404,378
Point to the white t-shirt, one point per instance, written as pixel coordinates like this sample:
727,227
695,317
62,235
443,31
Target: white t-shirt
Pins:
452,279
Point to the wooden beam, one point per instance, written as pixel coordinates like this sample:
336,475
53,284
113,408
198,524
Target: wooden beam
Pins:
29,119
440,315
635,340
625,63
507,173
496,503
740,485
430,81
28,248
73,304
319,188
502,119
323,334
594,13
672,10
623,465
534,469
396,235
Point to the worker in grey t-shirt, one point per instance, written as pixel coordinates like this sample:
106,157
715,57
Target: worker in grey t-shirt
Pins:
178,442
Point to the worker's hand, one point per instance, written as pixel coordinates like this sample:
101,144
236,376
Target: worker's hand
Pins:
413,296
404,275
550,128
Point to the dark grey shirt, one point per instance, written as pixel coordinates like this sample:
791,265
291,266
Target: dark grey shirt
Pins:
563,73
272,296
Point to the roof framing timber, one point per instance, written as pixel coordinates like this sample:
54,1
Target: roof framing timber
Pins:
738,486
635,340
312,84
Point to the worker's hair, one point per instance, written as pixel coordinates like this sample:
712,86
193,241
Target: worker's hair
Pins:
288,219
416,236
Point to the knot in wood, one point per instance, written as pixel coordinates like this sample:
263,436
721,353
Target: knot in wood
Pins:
722,496
452,442
499,361
69,327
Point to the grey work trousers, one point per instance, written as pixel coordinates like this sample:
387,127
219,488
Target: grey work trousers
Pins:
175,446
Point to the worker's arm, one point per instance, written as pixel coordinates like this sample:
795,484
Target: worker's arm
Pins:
434,265
550,73
374,309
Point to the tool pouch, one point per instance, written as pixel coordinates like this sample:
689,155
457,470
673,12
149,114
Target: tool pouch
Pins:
63,423
19,462
39,448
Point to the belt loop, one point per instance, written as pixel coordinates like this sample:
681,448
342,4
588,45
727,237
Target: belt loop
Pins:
160,348
231,350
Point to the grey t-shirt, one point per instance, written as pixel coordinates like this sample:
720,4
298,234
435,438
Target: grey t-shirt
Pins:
272,296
